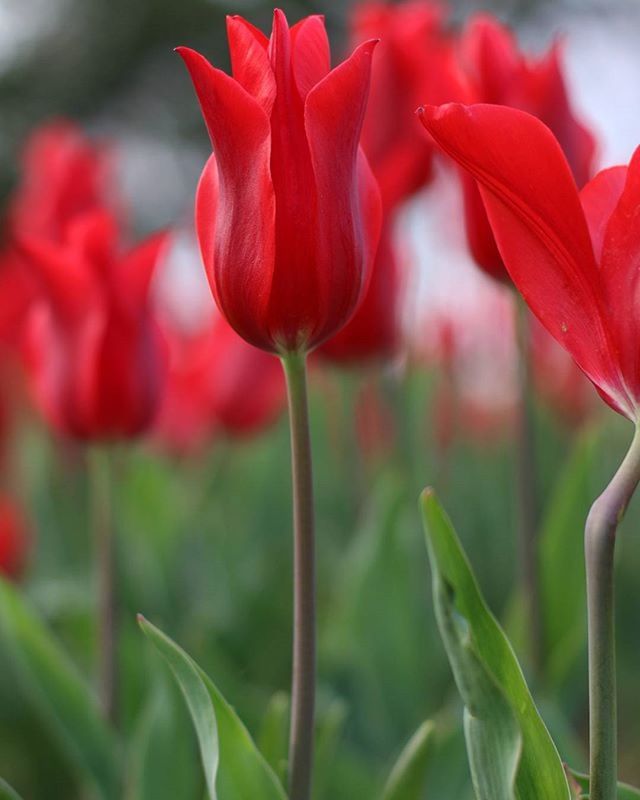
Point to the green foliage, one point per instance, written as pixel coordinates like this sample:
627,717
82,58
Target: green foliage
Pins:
6,792
581,785
510,751
408,776
234,768
51,682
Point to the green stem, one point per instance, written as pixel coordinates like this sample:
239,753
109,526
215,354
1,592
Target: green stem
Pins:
600,540
104,554
304,615
527,491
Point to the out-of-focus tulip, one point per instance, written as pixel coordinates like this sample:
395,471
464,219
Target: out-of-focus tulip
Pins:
62,175
15,540
374,331
407,70
572,255
287,210
217,384
94,351
497,72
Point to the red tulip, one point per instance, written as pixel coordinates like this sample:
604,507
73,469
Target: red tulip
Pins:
62,175
218,384
15,541
94,351
572,255
287,211
497,72
374,331
407,70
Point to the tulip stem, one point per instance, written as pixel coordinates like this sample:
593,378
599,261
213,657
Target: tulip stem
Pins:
527,492
600,540
106,612
304,616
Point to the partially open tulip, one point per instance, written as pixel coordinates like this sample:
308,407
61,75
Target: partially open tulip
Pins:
572,254
496,71
94,351
287,209
15,540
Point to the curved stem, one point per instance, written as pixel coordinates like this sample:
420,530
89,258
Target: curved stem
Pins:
527,491
600,540
304,617
104,553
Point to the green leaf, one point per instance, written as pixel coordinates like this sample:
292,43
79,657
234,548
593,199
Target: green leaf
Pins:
562,570
7,793
274,732
625,792
234,767
502,723
163,757
59,694
408,776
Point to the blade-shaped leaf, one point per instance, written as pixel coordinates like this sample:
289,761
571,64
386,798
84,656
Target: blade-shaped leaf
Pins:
408,776
469,629
582,782
60,695
234,767
6,792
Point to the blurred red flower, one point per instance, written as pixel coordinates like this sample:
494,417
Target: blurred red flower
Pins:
573,255
287,210
217,383
94,351
494,70
15,540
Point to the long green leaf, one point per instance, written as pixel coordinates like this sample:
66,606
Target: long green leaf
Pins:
625,792
488,674
7,793
59,694
234,767
408,776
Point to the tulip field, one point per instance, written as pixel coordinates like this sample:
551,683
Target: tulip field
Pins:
319,401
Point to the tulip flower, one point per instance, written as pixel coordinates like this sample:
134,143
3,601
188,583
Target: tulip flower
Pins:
15,541
63,174
288,218
495,71
94,351
573,256
287,209
217,384
407,70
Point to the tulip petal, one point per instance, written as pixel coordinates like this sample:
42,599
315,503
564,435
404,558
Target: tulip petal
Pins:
334,112
620,267
534,209
250,61
311,56
599,198
206,213
244,243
